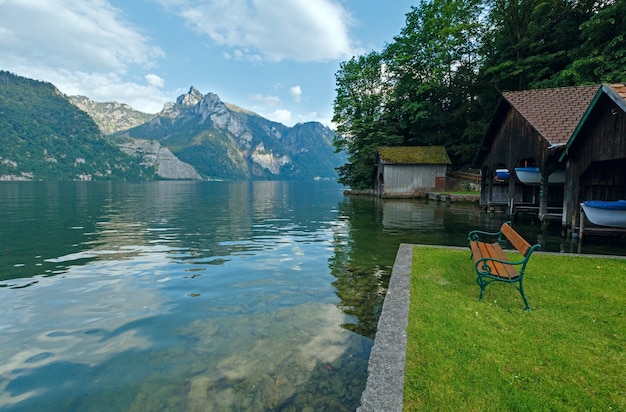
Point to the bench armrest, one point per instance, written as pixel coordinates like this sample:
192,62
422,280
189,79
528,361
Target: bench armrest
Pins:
483,267
476,235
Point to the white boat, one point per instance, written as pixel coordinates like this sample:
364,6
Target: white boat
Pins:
602,213
532,176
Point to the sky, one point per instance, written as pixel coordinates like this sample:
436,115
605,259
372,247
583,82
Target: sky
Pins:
275,57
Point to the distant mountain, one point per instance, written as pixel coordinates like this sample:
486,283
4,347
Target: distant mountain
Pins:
226,142
45,137
111,117
161,159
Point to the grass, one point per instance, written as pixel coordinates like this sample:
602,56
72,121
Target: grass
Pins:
568,353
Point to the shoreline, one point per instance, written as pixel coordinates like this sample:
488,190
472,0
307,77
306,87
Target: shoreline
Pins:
437,196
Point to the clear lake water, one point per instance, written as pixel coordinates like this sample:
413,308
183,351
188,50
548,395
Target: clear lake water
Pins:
207,296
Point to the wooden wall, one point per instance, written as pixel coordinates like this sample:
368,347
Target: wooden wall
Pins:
596,165
514,143
406,179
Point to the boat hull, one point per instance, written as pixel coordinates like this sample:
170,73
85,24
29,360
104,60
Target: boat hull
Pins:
611,214
532,176
503,174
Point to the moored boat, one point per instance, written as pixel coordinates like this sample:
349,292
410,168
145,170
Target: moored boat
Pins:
503,174
532,176
605,213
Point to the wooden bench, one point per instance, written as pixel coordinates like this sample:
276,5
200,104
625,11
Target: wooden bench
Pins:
491,262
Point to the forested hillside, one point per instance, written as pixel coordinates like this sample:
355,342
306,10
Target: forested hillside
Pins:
438,81
45,137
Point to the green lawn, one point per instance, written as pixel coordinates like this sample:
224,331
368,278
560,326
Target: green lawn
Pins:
568,353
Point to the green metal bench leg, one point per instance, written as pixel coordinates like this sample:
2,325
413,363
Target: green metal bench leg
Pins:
482,285
521,291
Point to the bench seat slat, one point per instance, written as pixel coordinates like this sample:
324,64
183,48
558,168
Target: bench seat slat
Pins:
494,251
505,271
489,251
516,240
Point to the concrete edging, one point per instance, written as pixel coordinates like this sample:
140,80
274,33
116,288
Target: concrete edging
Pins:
384,389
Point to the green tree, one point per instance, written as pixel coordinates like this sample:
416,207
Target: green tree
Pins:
359,111
602,55
433,63
439,80
529,42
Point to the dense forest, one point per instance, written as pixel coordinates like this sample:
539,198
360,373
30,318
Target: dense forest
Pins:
45,137
439,80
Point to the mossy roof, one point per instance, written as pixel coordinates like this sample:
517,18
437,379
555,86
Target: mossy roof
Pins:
414,155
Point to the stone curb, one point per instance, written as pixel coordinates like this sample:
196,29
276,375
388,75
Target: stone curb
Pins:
385,380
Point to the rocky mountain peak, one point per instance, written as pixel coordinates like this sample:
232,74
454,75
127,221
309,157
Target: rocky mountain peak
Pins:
223,141
190,99
212,107
208,106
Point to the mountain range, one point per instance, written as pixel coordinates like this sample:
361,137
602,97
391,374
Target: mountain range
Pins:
226,142
196,137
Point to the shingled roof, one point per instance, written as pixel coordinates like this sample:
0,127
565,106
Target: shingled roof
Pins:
413,155
554,113
620,88
615,92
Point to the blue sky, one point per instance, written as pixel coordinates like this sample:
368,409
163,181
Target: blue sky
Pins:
275,57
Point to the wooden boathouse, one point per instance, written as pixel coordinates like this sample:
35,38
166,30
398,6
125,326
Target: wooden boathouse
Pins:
404,170
577,131
595,155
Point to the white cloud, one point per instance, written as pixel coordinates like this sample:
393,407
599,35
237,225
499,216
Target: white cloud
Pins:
315,117
146,98
88,35
266,100
102,87
296,93
244,55
82,47
288,118
91,48
154,80
282,116
300,30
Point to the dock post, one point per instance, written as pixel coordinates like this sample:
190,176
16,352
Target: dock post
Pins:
510,209
582,223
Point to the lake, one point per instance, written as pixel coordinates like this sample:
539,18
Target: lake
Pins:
189,296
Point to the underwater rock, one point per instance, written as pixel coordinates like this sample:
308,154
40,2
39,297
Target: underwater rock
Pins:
198,397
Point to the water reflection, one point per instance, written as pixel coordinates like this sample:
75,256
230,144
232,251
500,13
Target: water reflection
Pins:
174,295
441,223
168,296
374,228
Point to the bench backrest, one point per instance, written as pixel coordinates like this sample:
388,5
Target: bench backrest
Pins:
516,240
